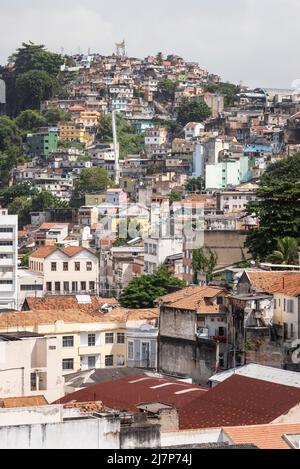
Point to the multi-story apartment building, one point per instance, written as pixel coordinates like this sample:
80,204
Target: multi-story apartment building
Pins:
69,270
8,260
155,139
42,143
88,338
158,249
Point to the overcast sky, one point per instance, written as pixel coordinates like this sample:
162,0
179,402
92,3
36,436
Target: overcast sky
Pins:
253,41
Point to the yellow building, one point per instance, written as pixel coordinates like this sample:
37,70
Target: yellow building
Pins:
88,340
74,133
88,118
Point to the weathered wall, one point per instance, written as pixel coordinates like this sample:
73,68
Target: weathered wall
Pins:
228,245
134,437
177,323
82,434
188,359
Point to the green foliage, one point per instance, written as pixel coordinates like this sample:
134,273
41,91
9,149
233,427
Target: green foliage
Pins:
55,116
277,207
30,121
286,253
192,111
10,149
33,87
129,141
227,89
159,57
21,206
195,185
174,197
31,78
9,194
144,290
204,263
22,199
166,90
90,180
35,57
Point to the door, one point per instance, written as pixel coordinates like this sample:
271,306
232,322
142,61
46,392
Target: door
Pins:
91,362
146,354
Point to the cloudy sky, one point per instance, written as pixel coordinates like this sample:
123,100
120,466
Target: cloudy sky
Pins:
253,41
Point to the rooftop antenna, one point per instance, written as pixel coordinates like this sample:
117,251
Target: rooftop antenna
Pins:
121,49
116,149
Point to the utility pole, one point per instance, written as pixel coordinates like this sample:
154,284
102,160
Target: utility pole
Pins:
116,149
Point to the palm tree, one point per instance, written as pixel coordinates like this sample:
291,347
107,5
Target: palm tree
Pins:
286,252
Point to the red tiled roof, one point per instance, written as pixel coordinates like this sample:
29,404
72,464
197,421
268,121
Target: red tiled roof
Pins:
239,401
263,436
45,251
24,401
129,392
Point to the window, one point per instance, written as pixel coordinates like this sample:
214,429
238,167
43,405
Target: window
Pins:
109,360
109,338
77,266
57,286
92,286
6,243
31,287
120,360
66,287
91,340
6,282
121,338
68,364
130,350
292,331
68,341
6,230
49,286
33,382
145,350
65,266
53,266
275,304
89,266
290,306
83,286
74,286
91,362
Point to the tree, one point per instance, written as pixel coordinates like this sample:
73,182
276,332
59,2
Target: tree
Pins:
29,58
45,199
192,111
30,121
286,253
32,88
166,90
9,194
227,89
10,149
195,185
203,263
144,290
21,206
174,197
90,180
277,207
55,115
129,141
159,57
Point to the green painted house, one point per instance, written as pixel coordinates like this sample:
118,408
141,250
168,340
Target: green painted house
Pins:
42,143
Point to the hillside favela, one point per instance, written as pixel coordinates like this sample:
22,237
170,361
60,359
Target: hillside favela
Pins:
149,254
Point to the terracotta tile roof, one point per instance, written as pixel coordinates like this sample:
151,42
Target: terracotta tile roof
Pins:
290,285
191,297
45,251
239,401
271,281
127,393
263,436
69,316
24,401
64,303
48,226
86,407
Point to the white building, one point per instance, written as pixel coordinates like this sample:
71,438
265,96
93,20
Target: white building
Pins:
30,365
8,260
68,270
30,284
158,249
193,130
